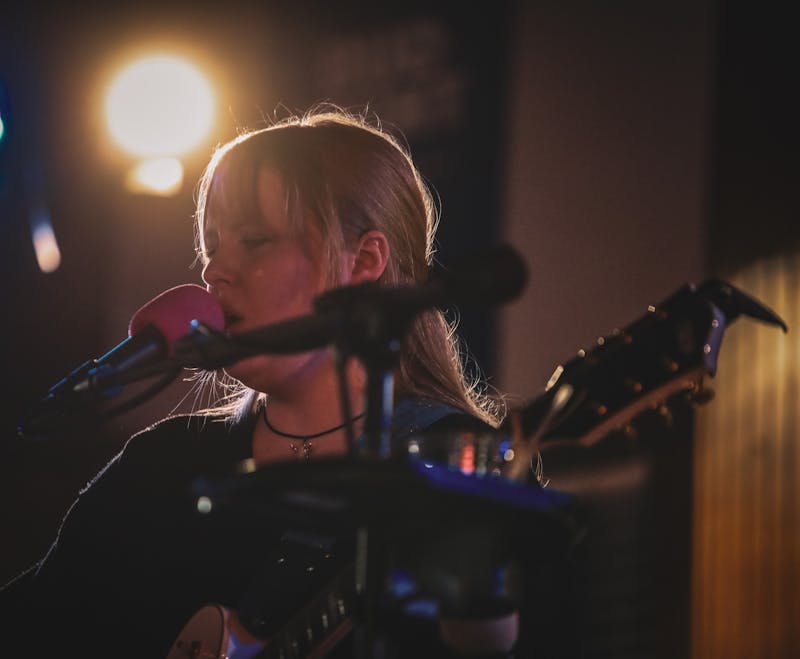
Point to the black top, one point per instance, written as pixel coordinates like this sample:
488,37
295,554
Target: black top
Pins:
134,559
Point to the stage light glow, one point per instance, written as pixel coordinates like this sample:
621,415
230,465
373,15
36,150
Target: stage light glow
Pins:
467,462
45,245
160,176
160,105
5,112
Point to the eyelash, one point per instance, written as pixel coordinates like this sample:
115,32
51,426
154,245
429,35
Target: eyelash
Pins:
250,243
255,242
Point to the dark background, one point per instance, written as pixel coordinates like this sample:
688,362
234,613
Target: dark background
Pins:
623,149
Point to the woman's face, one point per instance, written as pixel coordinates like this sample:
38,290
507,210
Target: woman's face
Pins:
262,274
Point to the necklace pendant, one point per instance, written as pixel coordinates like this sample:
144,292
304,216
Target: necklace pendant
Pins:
306,450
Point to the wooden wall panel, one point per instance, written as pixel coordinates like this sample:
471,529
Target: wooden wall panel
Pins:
746,536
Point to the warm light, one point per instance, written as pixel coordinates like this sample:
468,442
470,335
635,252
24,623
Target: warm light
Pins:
467,462
159,106
162,176
48,255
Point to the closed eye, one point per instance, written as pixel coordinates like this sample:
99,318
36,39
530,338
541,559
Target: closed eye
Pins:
255,241
207,246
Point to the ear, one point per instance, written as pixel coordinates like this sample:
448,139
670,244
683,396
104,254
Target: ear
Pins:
370,257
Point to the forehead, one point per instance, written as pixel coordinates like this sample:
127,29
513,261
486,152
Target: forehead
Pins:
241,196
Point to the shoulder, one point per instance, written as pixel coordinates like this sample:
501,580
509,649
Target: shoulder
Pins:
415,415
184,427
172,433
183,441
173,448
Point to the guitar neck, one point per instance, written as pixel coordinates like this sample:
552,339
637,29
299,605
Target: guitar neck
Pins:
320,625
669,349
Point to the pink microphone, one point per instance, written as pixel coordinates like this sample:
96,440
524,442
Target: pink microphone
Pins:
172,311
152,333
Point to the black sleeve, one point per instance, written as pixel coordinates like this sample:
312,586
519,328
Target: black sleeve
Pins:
105,568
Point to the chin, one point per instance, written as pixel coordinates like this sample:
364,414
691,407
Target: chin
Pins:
247,370
275,373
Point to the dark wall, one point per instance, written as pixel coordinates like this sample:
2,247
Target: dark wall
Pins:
607,185
755,170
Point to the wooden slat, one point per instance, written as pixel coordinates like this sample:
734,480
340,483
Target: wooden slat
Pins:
746,536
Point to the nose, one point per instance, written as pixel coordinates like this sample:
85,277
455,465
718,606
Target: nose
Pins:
216,271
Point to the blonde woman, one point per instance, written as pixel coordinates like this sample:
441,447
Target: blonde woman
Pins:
284,214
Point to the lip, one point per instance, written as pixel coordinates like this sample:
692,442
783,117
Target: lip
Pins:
232,319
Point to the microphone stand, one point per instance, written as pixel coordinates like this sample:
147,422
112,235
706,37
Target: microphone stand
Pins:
371,331
379,360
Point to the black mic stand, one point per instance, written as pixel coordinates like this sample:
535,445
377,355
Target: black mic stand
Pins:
371,331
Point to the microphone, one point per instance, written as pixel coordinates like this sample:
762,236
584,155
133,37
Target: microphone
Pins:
485,279
491,277
152,332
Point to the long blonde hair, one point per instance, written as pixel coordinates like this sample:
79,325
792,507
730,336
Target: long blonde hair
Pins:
346,176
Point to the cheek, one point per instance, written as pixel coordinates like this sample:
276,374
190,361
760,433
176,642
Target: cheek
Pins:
307,276
288,290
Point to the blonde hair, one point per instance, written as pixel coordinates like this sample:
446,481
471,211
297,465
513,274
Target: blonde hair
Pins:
344,176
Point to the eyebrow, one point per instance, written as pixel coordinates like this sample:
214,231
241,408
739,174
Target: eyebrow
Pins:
239,222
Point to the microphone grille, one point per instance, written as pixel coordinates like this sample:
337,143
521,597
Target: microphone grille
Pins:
172,311
494,276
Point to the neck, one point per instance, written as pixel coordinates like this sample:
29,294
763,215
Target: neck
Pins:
307,411
345,425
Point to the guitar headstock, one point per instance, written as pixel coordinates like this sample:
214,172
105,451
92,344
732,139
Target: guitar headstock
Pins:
670,349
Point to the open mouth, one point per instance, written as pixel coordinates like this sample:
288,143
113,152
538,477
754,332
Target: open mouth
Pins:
231,319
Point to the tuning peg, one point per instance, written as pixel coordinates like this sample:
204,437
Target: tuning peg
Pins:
631,435
634,385
666,415
699,395
671,365
660,313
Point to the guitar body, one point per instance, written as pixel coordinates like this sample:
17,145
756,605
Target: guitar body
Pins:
214,632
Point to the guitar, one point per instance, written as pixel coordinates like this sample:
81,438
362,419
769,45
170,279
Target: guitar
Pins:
666,352
217,632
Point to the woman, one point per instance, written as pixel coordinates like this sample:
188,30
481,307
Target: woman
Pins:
283,214
315,203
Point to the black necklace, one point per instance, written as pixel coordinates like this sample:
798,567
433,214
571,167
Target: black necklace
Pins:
306,439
